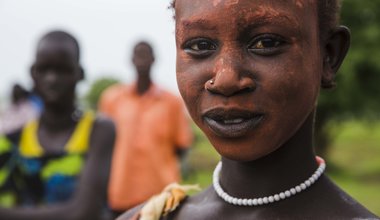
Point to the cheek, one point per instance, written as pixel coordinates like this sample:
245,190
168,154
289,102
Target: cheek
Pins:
293,93
191,79
295,82
190,87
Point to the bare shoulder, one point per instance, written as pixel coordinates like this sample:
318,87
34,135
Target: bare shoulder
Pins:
131,214
343,205
103,132
104,123
325,201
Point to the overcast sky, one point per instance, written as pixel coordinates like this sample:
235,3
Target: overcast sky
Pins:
106,30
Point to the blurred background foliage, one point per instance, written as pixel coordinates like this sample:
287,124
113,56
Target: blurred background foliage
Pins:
358,91
347,126
98,86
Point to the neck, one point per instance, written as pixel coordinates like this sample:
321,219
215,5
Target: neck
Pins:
143,83
290,165
56,118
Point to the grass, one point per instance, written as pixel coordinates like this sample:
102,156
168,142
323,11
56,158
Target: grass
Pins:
354,162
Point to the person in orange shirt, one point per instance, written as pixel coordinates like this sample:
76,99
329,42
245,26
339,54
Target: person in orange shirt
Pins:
152,133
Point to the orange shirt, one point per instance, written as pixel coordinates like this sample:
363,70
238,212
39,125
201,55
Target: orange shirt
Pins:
149,129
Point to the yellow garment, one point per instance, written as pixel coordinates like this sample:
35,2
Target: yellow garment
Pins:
78,143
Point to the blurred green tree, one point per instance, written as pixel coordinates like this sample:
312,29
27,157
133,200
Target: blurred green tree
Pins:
358,92
96,90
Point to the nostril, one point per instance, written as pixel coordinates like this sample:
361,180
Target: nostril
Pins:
230,84
247,90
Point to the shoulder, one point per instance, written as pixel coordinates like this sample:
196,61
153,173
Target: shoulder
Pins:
103,125
103,132
171,98
131,214
103,122
324,203
114,91
340,204
166,93
204,205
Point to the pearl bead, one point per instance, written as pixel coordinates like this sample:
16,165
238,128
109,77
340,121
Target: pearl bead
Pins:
234,201
250,203
287,193
271,199
265,200
303,186
293,191
277,197
245,202
282,195
260,201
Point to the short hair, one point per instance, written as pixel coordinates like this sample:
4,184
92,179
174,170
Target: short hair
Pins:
328,15
60,35
145,43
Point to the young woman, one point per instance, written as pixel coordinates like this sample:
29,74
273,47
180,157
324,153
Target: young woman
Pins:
63,158
250,72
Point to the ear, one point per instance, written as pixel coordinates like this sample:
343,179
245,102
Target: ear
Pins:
336,46
33,72
81,74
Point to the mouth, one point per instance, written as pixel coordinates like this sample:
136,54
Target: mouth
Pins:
232,123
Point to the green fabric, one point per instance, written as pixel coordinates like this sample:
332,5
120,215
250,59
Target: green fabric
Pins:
70,165
5,145
7,200
3,175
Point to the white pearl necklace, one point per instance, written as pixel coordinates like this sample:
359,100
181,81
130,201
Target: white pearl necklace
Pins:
268,199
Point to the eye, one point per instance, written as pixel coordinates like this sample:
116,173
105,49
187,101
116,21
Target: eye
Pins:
266,45
200,47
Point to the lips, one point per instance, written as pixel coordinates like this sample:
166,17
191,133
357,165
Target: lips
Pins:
232,123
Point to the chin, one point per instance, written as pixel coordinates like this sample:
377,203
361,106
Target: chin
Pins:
242,149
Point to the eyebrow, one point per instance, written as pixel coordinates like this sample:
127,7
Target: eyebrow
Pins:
201,23
256,22
261,20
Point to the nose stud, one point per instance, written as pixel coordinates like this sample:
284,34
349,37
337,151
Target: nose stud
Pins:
209,84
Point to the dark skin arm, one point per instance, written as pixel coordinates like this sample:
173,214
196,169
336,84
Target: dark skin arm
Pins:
91,194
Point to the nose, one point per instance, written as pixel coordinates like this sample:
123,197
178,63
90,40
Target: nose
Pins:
51,76
231,78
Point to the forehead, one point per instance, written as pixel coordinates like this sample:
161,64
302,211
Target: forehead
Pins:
142,48
57,48
240,11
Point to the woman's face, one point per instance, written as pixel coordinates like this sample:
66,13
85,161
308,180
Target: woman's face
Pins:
56,71
248,70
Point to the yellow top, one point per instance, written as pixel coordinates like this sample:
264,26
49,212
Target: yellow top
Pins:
78,143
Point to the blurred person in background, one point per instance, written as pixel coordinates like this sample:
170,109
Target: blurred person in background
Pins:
20,111
60,166
153,132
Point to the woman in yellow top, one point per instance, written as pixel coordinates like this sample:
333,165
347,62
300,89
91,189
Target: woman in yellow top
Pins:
63,158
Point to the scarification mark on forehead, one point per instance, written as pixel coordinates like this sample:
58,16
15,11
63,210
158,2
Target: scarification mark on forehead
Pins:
232,2
216,2
304,3
267,14
226,3
299,3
